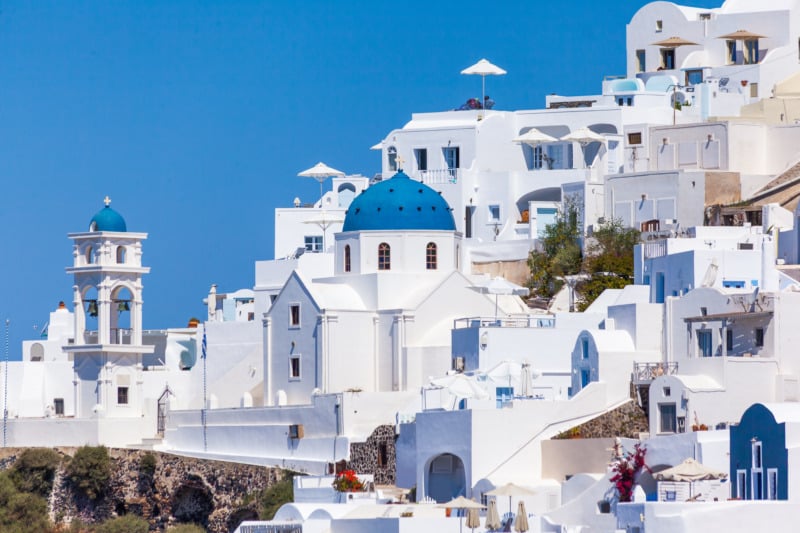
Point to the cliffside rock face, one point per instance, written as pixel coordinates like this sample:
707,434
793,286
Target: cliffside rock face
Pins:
627,421
376,456
171,491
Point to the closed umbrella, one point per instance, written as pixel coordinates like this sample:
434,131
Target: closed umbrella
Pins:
492,517
521,522
320,172
473,519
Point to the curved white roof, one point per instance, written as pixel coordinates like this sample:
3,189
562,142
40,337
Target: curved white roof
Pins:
784,412
748,6
698,383
300,512
612,341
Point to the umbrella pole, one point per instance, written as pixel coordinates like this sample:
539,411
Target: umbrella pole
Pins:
483,93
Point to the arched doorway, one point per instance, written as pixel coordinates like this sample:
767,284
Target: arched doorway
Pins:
445,478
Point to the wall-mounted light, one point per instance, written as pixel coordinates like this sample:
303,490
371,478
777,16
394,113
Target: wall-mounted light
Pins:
710,137
644,197
664,141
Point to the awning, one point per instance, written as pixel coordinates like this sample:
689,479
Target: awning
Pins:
728,316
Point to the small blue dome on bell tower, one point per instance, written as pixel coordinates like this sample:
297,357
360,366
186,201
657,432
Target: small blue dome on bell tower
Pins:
107,219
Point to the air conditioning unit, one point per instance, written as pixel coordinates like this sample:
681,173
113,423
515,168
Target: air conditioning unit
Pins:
296,431
458,364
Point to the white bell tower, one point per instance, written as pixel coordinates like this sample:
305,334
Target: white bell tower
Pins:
107,351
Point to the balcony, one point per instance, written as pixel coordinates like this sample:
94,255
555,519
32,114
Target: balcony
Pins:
505,322
644,373
441,176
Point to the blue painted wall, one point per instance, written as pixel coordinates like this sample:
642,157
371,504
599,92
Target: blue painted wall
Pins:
759,423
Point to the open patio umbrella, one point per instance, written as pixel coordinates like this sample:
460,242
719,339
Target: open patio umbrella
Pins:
674,42
462,503
498,286
521,522
483,68
324,220
320,172
534,137
584,137
510,489
492,517
461,386
505,371
741,35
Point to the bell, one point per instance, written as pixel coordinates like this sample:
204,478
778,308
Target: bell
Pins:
123,306
92,308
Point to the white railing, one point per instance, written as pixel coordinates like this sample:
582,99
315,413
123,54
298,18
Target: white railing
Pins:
655,249
439,176
505,322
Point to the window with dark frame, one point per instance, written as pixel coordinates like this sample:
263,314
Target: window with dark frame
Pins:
347,258
294,367
122,395
430,256
384,257
759,337
58,406
294,315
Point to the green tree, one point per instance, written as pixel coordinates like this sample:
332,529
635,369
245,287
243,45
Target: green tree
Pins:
34,471
90,471
124,524
609,260
21,512
560,254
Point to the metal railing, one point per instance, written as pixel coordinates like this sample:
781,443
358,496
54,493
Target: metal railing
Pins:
505,322
643,372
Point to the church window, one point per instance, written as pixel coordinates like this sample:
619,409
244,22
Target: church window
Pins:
294,368
391,154
430,256
347,258
294,315
58,406
122,395
89,255
120,254
384,257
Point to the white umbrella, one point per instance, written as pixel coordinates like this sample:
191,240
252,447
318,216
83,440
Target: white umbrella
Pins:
510,489
498,286
462,503
534,137
583,136
320,172
461,386
505,371
324,220
483,68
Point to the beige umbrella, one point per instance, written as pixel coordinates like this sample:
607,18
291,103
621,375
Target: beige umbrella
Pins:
320,172
461,503
510,489
741,35
473,519
492,517
584,137
521,522
689,470
674,42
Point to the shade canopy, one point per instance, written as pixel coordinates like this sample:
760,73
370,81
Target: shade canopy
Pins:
511,489
500,285
462,503
534,137
324,219
460,386
689,470
484,68
321,172
674,42
741,35
583,136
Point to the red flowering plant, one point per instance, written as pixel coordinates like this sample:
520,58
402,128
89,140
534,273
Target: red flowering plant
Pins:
347,481
626,469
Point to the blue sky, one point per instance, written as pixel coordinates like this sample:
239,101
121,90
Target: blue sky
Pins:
195,117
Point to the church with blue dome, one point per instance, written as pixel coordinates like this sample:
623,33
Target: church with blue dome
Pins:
398,225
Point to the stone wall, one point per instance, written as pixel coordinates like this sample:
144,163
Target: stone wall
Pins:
215,494
628,421
376,456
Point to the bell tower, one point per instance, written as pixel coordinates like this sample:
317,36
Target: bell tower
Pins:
107,296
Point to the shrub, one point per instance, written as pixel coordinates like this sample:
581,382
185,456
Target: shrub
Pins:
186,528
626,469
90,471
35,470
347,481
147,465
124,524
21,512
272,498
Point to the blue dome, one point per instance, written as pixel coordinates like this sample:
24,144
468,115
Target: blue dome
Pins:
399,203
107,220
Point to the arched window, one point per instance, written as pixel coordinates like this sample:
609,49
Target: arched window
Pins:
120,254
347,258
384,257
430,256
391,154
89,255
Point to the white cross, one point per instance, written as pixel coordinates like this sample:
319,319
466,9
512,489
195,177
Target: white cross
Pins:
400,162
107,201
